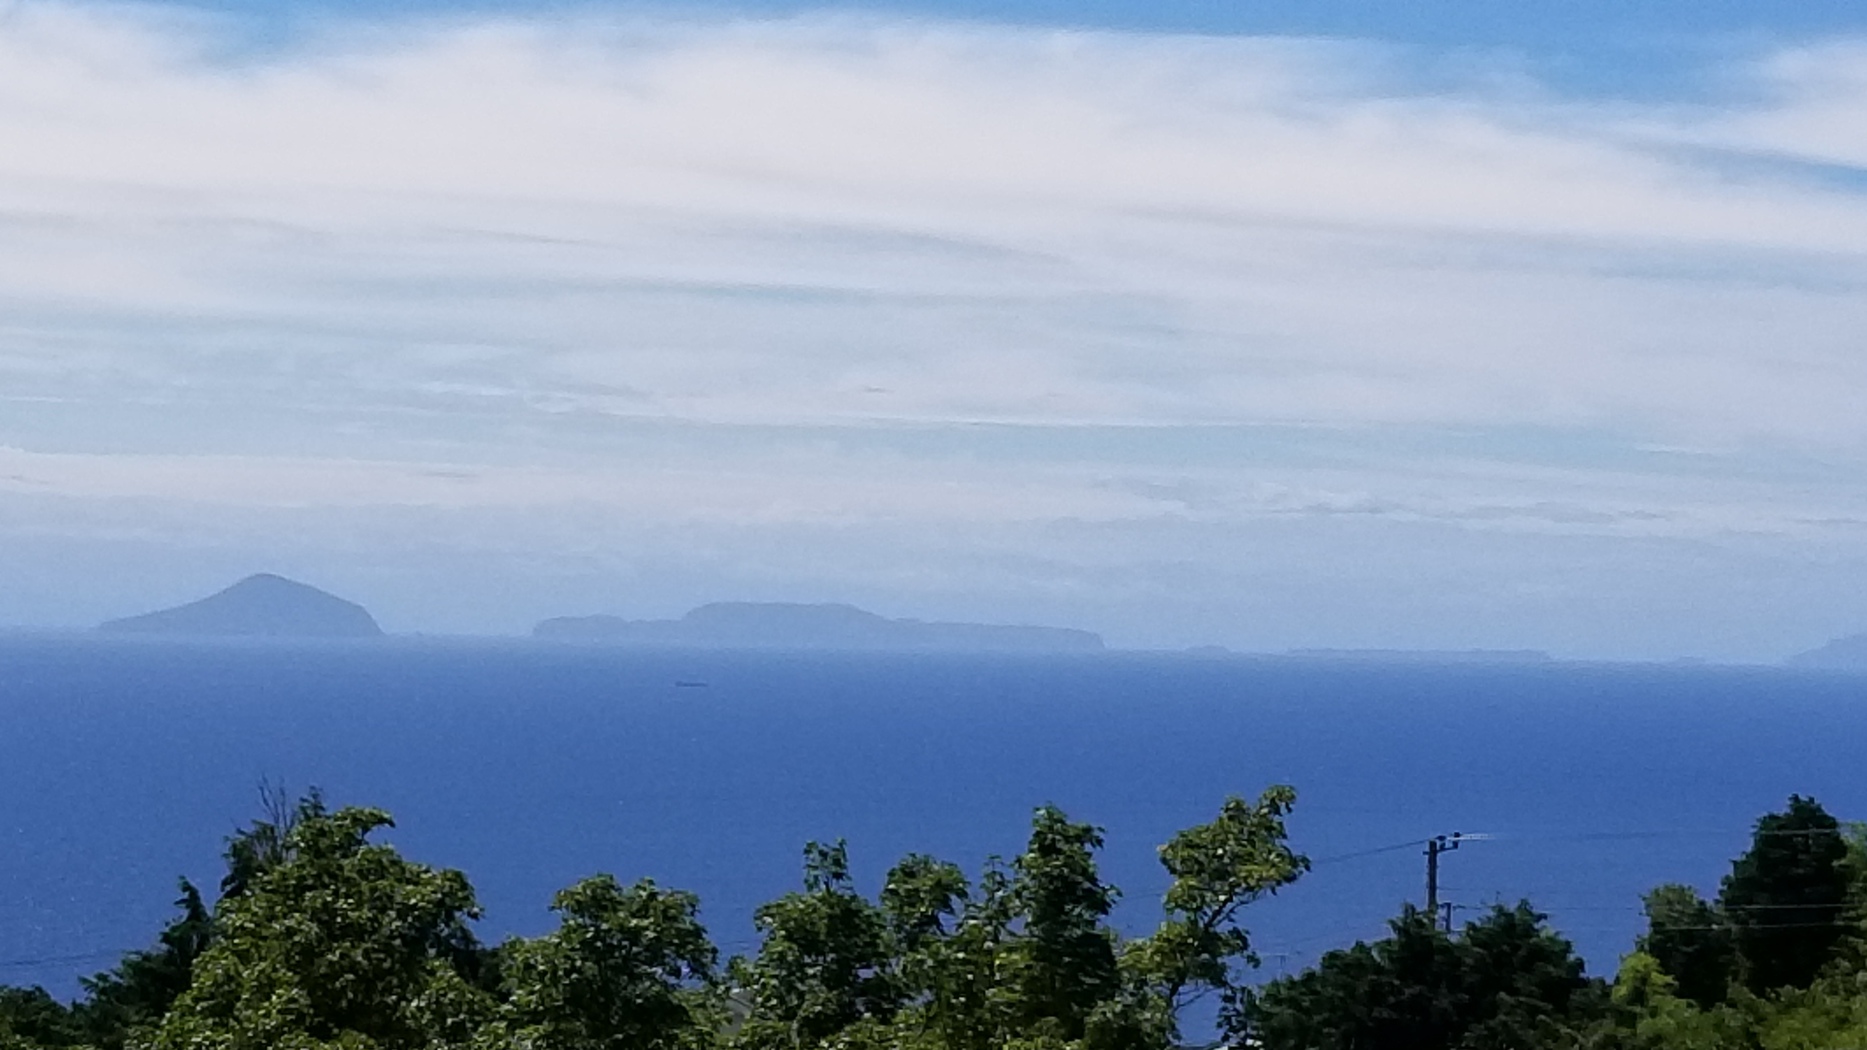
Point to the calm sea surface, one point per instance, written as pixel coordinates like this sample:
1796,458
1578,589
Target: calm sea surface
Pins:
124,764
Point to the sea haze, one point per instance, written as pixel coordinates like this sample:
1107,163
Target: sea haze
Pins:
124,762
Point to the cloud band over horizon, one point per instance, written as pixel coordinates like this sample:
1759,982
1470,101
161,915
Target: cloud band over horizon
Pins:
1117,316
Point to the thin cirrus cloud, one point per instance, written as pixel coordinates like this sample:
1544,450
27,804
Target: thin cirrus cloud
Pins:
831,219
480,245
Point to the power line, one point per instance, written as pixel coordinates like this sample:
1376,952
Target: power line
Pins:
1444,843
1720,907
1619,836
1584,836
1771,926
50,960
1358,854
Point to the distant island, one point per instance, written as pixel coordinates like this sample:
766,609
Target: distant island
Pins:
784,625
1427,656
260,606
1841,654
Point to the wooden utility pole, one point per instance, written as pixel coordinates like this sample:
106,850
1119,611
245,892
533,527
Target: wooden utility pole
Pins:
1434,847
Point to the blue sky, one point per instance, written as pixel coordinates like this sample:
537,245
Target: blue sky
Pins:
1538,26
1270,325
1600,47
1603,46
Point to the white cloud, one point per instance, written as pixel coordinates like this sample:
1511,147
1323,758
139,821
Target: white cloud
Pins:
1814,107
457,264
835,219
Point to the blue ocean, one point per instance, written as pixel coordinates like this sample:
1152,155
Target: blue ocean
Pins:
124,764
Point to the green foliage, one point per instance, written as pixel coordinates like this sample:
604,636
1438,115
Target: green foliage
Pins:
625,970
1651,1016
955,972
140,990
919,898
1830,1014
1690,941
1853,947
1530,977
1506,981
826,961
1785,898
1063,964
1025,960
337,943
324,940
31,1018
266,843
1217,869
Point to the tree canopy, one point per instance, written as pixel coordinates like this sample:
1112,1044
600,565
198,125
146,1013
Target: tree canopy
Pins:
324,936
1785,896
1505,981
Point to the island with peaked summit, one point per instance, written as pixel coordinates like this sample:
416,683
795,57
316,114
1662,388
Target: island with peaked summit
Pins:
790,625
260,606
1848,653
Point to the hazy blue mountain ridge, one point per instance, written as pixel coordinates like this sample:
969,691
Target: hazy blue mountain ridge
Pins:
788,625
1428,656
1848,653
262,605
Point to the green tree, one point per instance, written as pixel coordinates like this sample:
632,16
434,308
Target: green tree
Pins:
1786,897
1691,941
625,970
826,962
1505,981
920,897
266,843
1217,869
1024,961
1649,1014
1062,964
1523,983
1853,946
140,990
30,1018
339,943
1397,992
1830,1014
957,943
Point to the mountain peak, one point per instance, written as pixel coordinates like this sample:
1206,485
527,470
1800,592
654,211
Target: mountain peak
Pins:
1848,653
263,605
828,625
